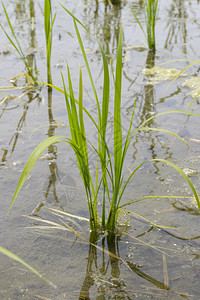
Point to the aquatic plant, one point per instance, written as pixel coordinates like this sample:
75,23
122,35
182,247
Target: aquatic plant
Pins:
110,163
48,25
15,43
150,12
150,8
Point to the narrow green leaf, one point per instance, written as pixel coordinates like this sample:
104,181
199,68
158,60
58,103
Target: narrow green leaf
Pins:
138,22
153,197
117,112
163,113
168,132
74,124
147,220
21,261
184,176
88,68
32,160
17,46
175,167
81,119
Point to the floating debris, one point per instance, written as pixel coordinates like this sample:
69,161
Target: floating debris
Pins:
48,156
136,48
27,81
23,82
159,74
6,99
4,52
194,84
127,56
91,51
58,66
31,51
190,172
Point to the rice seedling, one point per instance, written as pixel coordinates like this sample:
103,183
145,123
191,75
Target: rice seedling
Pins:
15,43
110,163
150,12
150,8
48,25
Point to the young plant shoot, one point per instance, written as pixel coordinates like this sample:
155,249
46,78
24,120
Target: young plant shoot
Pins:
150,12
48,25
15,43
110,163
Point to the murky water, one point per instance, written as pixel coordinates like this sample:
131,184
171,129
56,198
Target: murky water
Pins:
151,263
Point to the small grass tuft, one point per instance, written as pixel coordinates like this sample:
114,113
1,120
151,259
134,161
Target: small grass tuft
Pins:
150,12
15,43
48,25
110,163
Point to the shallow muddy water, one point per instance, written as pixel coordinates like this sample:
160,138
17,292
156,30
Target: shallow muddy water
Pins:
143,262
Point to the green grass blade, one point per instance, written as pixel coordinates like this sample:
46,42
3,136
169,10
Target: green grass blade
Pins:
11,41
21,261
104,120
147,220
117,152
172,165
77,20
74,124
138,22
192,101
168,132
182,71
106,95
81,119
47,19
153,197
81,146
69,113
48,25
17,46
128,139
32,160
150,8
106,73
18,49
117,113
160,114
88,69
184,176
63,92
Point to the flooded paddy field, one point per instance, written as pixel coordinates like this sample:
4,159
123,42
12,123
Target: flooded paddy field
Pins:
143,262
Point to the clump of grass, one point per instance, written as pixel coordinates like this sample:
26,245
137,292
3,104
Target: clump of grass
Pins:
109,162
48,25
150,8
150,11
15,43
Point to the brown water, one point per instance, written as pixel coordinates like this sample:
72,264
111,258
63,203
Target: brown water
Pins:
151,263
